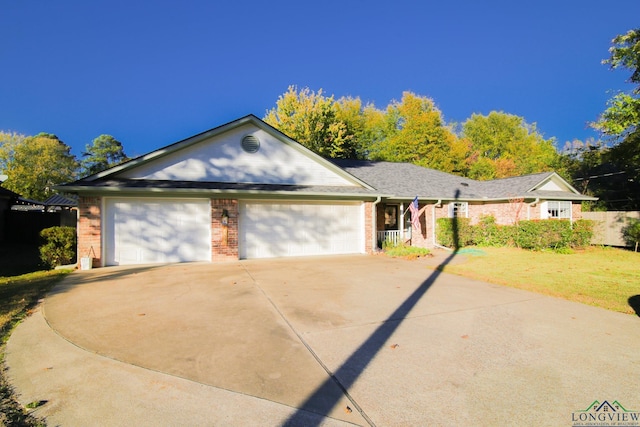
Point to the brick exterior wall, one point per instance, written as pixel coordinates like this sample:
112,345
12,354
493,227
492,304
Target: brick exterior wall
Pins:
89,229
506,213
224,238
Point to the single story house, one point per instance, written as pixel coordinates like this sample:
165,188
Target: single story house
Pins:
245,190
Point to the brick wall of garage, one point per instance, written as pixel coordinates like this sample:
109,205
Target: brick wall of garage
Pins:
224,238
369,230
90,229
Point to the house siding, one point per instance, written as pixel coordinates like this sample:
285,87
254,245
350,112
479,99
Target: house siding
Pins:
90,229
224,239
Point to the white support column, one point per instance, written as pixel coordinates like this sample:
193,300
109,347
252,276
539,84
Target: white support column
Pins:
401,225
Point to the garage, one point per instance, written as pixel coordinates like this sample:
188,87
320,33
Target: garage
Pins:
144,231
280,229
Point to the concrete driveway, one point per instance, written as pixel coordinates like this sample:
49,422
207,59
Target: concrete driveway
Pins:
364,340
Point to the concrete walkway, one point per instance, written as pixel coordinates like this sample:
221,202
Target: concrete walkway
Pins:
355,340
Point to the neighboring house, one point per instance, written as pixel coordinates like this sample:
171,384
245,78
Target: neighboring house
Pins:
7,199
246,190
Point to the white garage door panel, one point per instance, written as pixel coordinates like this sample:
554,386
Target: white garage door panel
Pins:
300,229
157,231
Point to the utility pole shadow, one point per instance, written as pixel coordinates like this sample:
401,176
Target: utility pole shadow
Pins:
323,400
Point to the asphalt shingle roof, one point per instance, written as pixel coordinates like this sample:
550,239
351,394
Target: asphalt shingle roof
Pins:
406,180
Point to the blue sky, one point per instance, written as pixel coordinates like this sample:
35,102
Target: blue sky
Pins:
152,73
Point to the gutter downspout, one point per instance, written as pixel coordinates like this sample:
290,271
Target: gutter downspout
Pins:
530,205
433,218
374,226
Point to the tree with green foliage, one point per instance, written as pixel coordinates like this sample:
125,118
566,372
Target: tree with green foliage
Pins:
312,119
622,118
413,130
504,145
8,143
615,177
38,163
103,153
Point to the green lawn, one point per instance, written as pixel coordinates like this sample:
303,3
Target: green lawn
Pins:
603,277
18,294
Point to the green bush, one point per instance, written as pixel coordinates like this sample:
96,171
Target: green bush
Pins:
463,235
539,235
488,233
631,232
59,246
582,233
406,251
536,235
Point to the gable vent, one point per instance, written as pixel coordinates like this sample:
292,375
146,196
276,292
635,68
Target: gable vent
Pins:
250,144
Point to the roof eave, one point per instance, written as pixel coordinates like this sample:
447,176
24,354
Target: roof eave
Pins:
111,191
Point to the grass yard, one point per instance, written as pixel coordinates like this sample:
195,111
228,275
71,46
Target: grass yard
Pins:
602,277
18,294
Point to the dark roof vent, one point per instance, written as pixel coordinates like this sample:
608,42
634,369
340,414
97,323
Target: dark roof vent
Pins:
250,144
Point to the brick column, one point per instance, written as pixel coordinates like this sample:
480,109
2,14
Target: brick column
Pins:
368,228
224,238
90,229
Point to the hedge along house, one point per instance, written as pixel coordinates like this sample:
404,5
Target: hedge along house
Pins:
241,190
442,195
245,190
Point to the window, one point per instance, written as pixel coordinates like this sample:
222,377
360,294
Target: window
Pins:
559,209
458,209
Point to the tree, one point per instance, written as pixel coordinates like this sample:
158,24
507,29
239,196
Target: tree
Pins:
103,153
620,126
8,142
622,117
37,164
413,130
504,145
312,119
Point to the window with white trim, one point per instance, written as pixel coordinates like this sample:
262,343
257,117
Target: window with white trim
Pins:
558,209
458,210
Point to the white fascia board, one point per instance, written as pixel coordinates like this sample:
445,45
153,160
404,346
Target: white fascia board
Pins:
170,192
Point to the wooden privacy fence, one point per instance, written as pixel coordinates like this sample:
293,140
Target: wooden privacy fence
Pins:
25,226
608,228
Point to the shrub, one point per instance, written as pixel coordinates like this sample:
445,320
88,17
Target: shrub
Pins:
539,235
631,232
59,246
406,251
488,233
582,233
463,235
536,235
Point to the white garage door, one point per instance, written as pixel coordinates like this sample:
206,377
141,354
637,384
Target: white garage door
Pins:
300,229
157,230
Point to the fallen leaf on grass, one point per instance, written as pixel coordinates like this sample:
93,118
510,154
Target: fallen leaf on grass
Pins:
465,336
